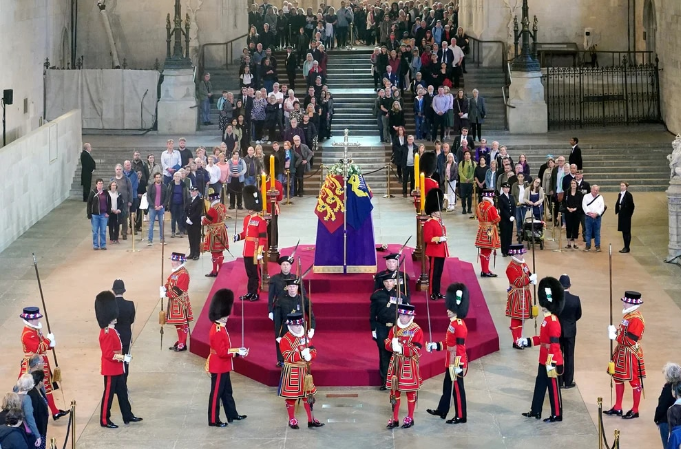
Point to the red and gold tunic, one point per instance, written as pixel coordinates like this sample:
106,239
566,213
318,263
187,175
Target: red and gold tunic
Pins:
110,344
217,239
549,341
628,355
220,359
406,365
177,288
519,302
295,367
488,232
455,340
428,184
254,234
34,342
432,228
280,196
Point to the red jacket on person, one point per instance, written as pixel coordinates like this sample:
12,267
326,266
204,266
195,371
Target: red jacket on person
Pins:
431,229
110,344
220,360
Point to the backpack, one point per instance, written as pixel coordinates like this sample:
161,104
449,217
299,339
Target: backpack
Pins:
221,103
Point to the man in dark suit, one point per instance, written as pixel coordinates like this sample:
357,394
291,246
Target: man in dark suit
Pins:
575,154
126,316
247,96
291,66
445,55
193,210
507,213
572,312
87,166
624,209
464,136
390,76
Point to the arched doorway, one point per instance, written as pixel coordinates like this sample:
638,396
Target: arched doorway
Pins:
650,25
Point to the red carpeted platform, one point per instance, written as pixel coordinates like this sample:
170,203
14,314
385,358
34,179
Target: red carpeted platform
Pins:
347,356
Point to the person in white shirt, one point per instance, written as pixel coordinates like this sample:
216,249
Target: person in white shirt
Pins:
214,173
593,206
170,162
521,192
279,95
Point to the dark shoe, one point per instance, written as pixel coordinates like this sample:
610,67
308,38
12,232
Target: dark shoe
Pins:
392,424
133,419
504,255
440,296
280,364
436,413
109,425
434,297
209,123
240,208
456,420
568,247
125,237
624,250
515,346
315,423
172,236
212,274
491,275
237,418
218,424
103,248
60,413
246,297
630,415
408,422
532,414
598,249
230,207
254,298
554,419
293,423
587,249
572,385
173,347
382,387
613,412
178,349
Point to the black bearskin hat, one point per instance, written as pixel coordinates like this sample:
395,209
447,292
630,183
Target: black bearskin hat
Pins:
221,304
252,198
428,163
456,304
553,302
106,308
434,201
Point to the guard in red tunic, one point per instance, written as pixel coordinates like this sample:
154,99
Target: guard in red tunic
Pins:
220,360
487,239
113,367
255,236
405,341
519,300
179,307
628,355
296,382
435,241
551,300
34,342
457,301
217,239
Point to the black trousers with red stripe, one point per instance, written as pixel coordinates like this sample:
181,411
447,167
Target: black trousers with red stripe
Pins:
457,393
115,385
220,390
437,264
541,384
253,275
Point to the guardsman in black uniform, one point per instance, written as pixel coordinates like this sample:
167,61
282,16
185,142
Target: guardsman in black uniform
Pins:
392,262
383,312
507,213
126,316
572,312
291,302
277,290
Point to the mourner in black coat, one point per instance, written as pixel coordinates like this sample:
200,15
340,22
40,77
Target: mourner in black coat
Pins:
568,317
575,153
507,213
87,165
126,316
194,209
624,209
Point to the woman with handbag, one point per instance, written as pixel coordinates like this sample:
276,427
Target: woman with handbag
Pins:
572,208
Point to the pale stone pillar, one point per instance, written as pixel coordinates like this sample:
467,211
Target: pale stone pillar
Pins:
177,113
526,94
674,203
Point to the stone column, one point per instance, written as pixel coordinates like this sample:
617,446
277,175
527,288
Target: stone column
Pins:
674,203
177,111
526,94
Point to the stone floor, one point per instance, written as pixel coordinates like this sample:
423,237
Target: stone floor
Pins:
170,391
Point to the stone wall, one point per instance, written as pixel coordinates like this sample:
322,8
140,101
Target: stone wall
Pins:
139,29
30,31
668,13
43,164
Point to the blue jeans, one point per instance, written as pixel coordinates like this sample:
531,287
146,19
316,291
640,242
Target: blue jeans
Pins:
205,110
269,85
419,127
292,181
153,215
664,433
520,212
593,231
99,230
249,180
177,218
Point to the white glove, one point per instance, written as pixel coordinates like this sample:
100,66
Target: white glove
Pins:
432,346
162,291
373,335
458,370
189,222
202,217
306,354
612,332
127,358
443,238
243,352
523,342
259,257
512,219
310,333
550,368
533,279
53,342
270,316
278,340
397,347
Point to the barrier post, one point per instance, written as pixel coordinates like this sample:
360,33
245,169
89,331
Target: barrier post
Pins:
387,182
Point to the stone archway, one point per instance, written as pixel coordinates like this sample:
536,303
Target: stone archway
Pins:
650,25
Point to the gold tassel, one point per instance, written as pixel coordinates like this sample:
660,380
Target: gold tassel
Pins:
308,383
56,375
393,383
162,317
535,311
611,368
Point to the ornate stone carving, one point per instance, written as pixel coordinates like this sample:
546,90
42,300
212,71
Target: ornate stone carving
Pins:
675,161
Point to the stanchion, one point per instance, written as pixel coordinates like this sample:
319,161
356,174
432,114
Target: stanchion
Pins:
616,445
73,424
273,252
423,280
288,187
547,204
475,200
387,182
418,251
560,234
53,443
600,423
134,220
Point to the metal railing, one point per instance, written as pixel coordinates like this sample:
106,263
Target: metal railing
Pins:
594,58
482,51
229,54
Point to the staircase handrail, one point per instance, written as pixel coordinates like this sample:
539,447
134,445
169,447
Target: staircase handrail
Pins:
229,53
476,46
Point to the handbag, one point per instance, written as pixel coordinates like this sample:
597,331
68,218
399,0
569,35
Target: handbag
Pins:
465,116
144,202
